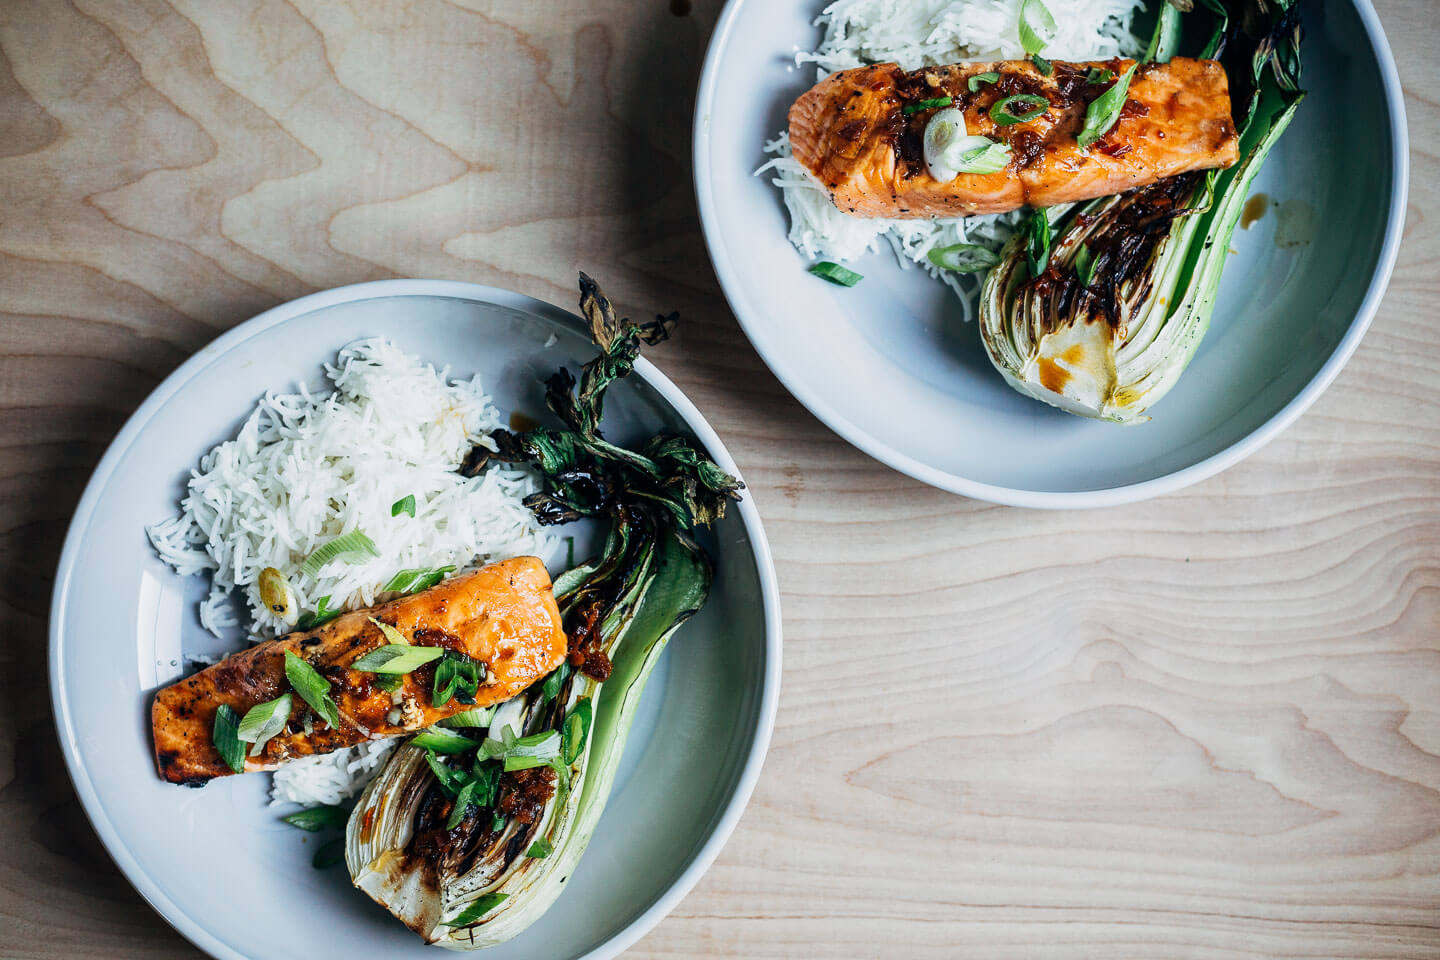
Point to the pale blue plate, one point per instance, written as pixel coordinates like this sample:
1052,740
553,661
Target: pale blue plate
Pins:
891,367
217,862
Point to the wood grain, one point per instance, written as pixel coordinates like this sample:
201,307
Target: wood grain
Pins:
1204,726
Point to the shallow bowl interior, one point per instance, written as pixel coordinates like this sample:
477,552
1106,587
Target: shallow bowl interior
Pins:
893,367
216,862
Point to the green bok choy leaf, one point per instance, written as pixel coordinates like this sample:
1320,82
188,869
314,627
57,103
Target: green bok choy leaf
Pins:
445,838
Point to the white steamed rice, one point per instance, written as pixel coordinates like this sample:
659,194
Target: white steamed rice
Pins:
917,33
306,468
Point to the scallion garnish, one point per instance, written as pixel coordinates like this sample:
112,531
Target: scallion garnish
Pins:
536,750
1099,75
540,849
927,104
405,504
313,688
479,717
463,801
478,909
330,854
1037,26
351,547
975,82
322,614
442,740
963,258
574,731
1037,242
395,659
390,632
1105,109
263,721
225,736
835,273
1041,64
1018,108
315,819
456,677
978,155
550,689
417,579
450,779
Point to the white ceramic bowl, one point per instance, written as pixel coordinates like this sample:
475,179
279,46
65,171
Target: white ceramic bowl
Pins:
890,366
217,863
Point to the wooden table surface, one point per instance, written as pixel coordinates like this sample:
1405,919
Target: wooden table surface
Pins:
1203,726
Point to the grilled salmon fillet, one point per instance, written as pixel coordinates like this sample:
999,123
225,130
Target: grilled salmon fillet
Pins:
503,615
851,132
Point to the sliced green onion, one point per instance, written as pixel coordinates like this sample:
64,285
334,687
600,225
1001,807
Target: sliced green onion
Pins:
388,683
927,104
1037,242
330,854
442,740
351,547
963,258
405,504
497,823
391,633
420,578
1041,64
575,729
550,689
1105,109
975,82
1099,75
1037,26
457,676
835,273
313,688
451,780
397,659
540,849
315,819
322,614
487,779
978,155
479,717
1085,265
1166,39
478,909
545,746
1018,108
463,800
263,721
225,736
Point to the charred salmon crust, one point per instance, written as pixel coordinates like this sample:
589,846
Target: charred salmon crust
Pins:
851,132
503,615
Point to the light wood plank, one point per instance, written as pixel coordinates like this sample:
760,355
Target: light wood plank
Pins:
1204,726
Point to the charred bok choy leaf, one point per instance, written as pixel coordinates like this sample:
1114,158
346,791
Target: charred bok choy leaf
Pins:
1106,324
468,837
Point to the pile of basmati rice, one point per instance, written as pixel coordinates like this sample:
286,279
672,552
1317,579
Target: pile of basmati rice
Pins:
916,33
306,468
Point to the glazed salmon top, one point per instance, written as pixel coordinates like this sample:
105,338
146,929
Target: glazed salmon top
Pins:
503,616
850,130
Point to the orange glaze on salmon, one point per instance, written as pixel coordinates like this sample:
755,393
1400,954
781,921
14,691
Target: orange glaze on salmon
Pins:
849,130
503,615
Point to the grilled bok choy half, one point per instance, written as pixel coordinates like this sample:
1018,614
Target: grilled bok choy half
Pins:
471,829
1097,308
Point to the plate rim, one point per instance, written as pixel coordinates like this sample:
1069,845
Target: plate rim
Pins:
749,775
882,451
